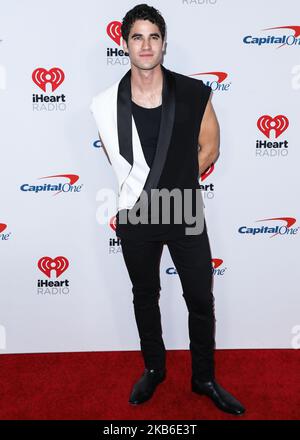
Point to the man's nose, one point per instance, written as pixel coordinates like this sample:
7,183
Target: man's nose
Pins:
146,44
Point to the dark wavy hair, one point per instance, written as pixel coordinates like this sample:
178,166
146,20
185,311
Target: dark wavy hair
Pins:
142,12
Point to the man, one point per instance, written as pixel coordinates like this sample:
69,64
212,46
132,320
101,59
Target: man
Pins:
151,124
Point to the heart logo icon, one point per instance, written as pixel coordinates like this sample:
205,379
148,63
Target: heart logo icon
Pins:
112,223
59,264
113,30
54,76
279,124
207,172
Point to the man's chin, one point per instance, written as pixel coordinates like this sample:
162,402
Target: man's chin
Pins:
147,65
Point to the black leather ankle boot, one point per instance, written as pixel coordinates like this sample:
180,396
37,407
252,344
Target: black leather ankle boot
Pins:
144,388
220,397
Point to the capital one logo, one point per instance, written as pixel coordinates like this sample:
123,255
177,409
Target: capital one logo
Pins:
218,83
216,262
3,226
41,77
4,235
279,124
113,30
292,39
282,226
217,268
59,265
65,187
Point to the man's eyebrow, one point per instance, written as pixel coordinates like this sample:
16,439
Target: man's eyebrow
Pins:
136,34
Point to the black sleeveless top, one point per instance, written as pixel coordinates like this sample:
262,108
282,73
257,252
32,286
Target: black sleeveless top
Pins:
181,169
147,121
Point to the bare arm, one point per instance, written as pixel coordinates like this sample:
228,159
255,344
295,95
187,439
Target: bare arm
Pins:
102,144
209,138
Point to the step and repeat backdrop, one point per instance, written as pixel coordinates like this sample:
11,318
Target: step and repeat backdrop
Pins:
63,284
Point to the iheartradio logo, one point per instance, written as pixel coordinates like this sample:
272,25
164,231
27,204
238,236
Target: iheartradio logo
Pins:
207,172
47,264
112,223
113,30
279,124
41,77
207,189
267,125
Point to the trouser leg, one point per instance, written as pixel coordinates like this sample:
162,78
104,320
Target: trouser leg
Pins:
192,258
142,259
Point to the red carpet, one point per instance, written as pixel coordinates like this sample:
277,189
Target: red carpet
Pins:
96,385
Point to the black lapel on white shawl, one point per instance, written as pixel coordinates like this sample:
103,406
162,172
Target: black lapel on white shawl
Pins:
124,122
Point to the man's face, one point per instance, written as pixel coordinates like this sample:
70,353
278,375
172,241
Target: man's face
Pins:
145,45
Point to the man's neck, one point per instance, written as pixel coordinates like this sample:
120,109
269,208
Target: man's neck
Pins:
146,82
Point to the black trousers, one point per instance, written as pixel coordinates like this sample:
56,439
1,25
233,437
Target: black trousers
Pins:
191,256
